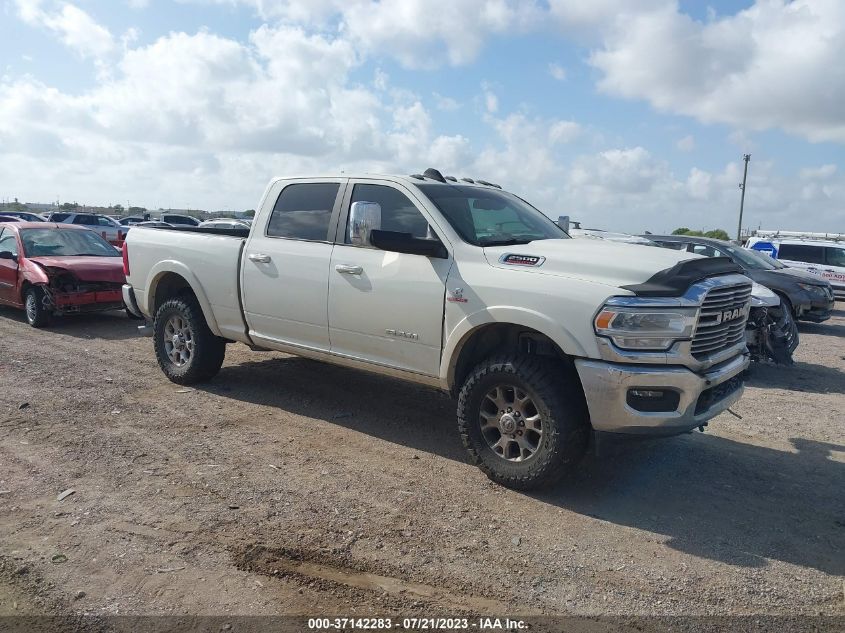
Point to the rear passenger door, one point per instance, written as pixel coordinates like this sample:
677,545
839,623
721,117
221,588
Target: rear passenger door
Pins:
387,307
285,270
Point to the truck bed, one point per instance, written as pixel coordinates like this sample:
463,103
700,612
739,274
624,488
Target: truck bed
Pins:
209,259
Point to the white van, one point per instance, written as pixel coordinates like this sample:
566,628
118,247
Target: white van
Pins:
825,258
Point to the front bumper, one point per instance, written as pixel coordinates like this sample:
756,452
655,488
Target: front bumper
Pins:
700,396
817,309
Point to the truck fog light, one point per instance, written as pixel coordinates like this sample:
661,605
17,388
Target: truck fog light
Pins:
653,400
629,342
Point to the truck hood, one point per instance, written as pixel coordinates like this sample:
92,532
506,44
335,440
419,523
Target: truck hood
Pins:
611,263
102,269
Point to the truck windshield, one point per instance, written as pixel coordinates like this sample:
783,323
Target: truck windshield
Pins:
65,243
488,217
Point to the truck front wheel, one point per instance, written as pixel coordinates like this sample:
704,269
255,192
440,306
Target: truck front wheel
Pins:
522,422
186,350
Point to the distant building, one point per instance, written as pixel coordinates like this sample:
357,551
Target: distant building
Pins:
40,207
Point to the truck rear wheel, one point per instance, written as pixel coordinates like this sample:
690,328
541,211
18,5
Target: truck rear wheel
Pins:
522,422
186,350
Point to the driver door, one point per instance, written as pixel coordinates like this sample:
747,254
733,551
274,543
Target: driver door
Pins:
387,307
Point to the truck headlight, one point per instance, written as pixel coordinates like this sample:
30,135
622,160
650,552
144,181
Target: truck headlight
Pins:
643,328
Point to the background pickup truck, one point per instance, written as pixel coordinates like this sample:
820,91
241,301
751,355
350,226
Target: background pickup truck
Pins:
462,286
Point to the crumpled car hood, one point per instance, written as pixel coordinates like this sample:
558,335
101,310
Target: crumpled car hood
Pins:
102,269
611,263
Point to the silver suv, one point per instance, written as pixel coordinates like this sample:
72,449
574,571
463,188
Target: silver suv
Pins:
104,225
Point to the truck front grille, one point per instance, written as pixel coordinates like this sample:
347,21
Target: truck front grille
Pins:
721,324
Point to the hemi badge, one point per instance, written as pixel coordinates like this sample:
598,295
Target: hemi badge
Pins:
514,259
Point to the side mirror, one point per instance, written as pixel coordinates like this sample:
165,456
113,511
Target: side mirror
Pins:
8,255
364,218
397,242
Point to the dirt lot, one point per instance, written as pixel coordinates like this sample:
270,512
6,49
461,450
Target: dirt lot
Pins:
286,486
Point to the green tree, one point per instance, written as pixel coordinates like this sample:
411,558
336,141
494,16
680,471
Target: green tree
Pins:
250,213
718,234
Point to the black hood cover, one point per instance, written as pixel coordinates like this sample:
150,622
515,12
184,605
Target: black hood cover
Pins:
674,281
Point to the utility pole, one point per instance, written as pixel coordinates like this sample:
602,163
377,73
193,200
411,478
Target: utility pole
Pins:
746,158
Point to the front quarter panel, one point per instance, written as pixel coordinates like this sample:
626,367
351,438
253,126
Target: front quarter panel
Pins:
561,308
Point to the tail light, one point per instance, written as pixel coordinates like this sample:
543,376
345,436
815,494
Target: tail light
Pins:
125,251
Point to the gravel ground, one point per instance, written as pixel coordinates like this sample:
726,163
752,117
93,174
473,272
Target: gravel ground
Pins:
290,487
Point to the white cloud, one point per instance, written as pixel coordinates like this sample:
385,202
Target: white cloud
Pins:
204,121
446,104
74,27
825,172
491,101
698,183
686,144
775,64
557,71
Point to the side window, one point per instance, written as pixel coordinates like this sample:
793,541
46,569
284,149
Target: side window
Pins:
59,217
8,242
702,249
835,256
398,213
806,253
104,221
87,220
303,211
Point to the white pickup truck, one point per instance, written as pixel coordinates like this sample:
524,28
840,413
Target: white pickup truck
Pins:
544,340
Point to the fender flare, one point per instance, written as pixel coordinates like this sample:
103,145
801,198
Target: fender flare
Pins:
524,317
170,266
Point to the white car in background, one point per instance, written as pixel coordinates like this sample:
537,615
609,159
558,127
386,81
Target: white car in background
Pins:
822,257
225,223
108,228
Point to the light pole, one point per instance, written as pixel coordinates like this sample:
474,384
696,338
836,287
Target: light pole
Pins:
746,158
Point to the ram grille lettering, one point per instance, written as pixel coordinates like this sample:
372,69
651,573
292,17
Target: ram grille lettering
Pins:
730,315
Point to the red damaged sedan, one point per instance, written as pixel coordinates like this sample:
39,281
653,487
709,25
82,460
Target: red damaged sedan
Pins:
53,269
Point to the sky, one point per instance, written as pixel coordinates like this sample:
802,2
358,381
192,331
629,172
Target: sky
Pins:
626,115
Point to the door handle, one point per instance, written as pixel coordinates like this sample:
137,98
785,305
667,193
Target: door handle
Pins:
347,269
259,258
